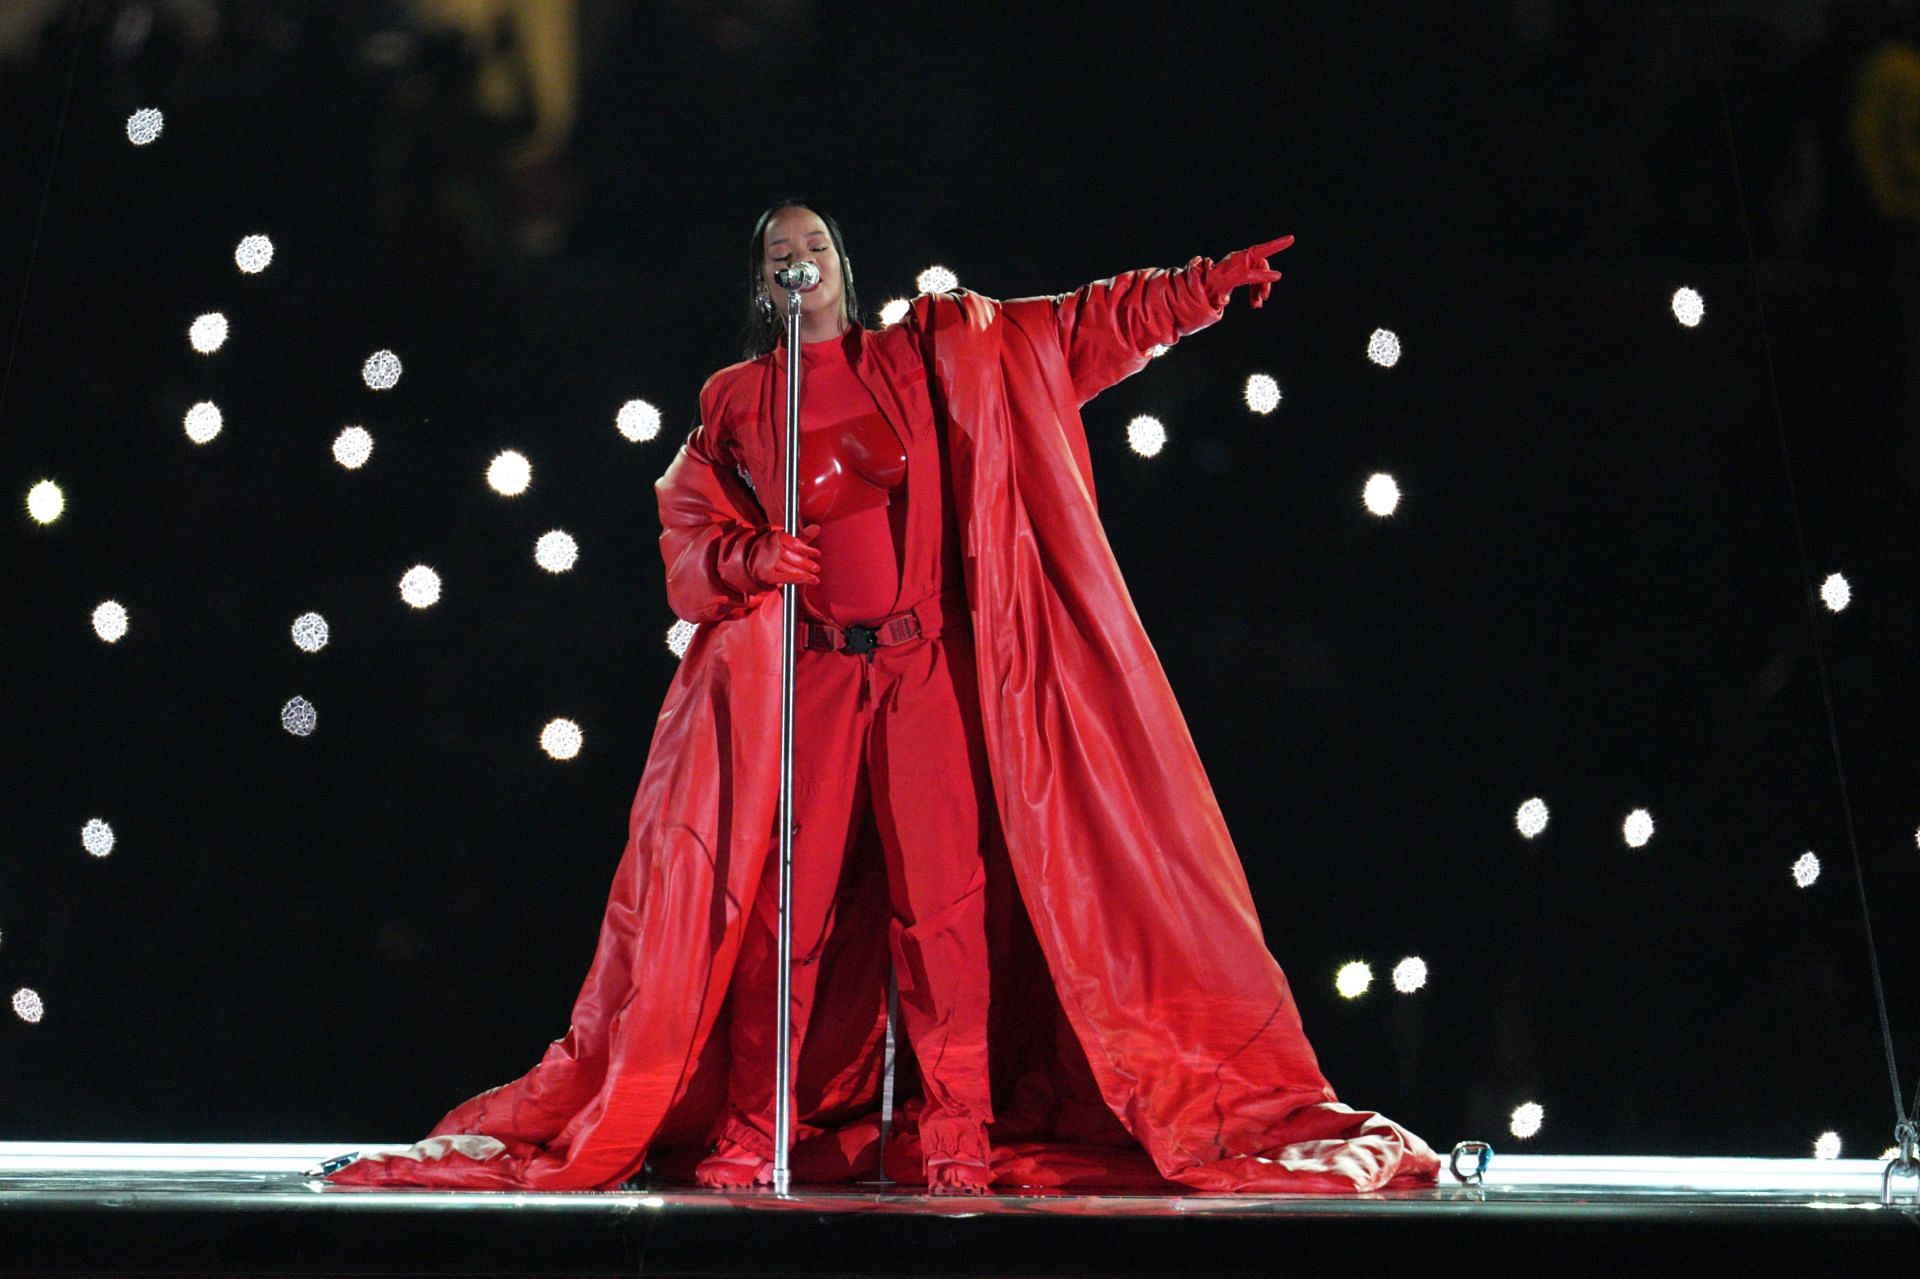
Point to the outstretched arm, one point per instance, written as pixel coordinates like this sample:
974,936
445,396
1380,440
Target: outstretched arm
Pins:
1108,327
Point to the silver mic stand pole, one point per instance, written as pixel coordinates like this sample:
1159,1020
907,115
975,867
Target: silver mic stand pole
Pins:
789,638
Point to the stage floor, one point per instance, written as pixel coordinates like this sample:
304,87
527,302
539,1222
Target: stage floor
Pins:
112,1208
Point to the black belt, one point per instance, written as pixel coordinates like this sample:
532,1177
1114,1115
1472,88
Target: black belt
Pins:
927,618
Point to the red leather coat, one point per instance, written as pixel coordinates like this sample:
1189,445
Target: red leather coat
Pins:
1141,1031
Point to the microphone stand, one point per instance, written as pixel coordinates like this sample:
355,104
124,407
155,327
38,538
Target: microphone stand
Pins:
783,982
789,639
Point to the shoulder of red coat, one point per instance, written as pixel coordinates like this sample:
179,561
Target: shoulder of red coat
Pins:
715,390
953,307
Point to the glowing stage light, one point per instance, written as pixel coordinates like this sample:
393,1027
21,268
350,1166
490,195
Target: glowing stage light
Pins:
352,447
310,632
1381,495
1383,348
1638,828
1835,592
936,279
144,125
27,1004
895,310
45,501
556,551
679,635
1827,1146
381,371
1410,974
1532,817
253,253
203,421
638,420
1353,979
1806,869
1146,435
1157,350
1263,393
561,738
208,333
110,620
510,473
298,717
97,837
1526,1120
420,586
1688,307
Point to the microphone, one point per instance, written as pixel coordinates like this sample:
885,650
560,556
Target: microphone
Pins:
798,276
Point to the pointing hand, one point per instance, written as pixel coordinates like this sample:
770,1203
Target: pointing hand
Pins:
1248,267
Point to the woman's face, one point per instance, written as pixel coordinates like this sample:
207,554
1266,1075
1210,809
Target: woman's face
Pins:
798,235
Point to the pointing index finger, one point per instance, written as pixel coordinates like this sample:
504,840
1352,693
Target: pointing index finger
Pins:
1273,246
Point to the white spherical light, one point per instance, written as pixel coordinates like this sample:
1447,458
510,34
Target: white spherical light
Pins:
45,501
310,632
144,125
352,447
420,586
97,837
637,420
509,473
1688,307
381,371
253,253
1146,435
208,332
110,620
936,279
561,738
1836,592
1806,869
1381,494
299,717
203,421
1353,979
27,1005
1383,348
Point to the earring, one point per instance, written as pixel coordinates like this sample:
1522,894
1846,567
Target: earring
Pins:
766,303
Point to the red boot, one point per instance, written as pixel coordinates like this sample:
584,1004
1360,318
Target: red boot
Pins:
959,1160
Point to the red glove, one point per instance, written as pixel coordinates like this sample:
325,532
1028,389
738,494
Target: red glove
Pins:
776,556
1248,267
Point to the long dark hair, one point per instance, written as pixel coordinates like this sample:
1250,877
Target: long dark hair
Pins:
762,333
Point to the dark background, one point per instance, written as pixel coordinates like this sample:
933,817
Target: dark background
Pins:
1593,590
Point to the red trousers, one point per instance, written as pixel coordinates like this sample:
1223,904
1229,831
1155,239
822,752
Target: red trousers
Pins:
897,729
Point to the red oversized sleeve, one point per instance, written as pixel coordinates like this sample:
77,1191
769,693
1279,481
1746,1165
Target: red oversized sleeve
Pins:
708,516
1107,327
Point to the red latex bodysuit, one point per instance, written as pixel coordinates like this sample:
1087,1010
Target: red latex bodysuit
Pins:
852,468
1140,1031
